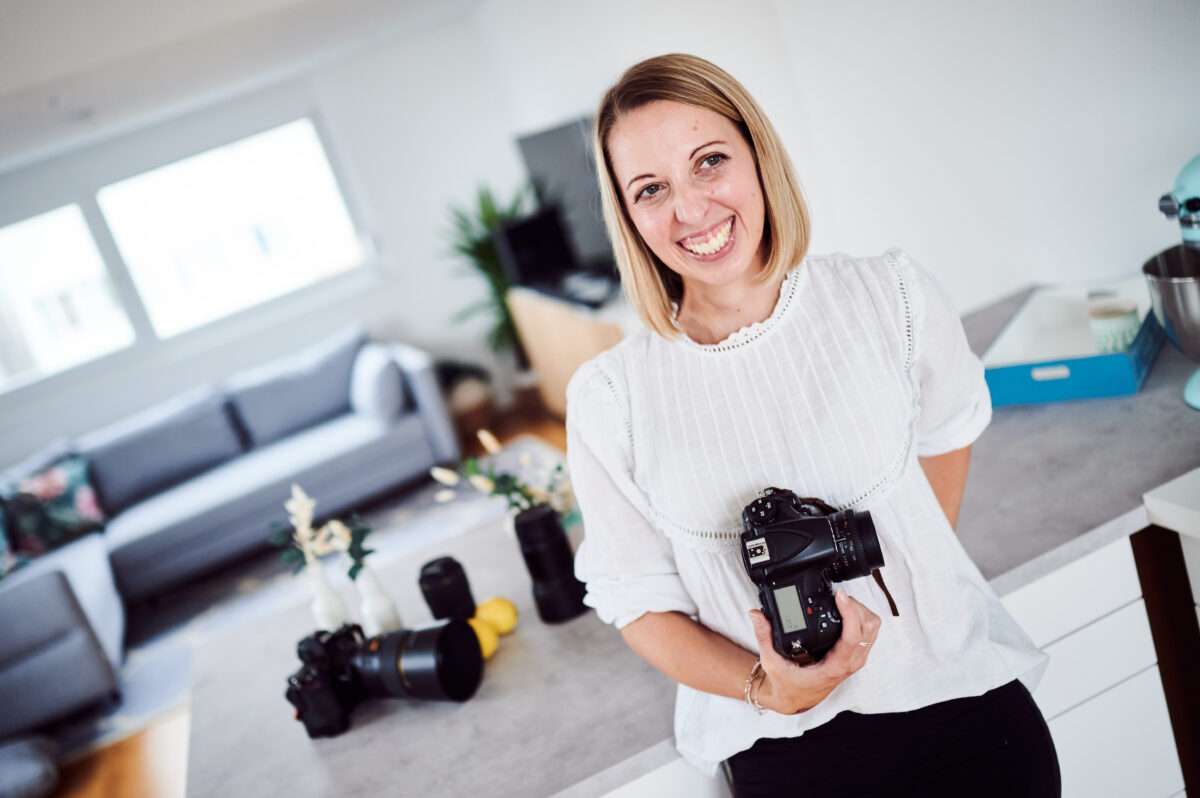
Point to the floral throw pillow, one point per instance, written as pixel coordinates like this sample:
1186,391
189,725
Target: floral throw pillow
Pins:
51,508
9,559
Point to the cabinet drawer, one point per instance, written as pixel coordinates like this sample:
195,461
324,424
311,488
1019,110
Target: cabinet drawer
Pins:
1077,594
1087,662
1119,744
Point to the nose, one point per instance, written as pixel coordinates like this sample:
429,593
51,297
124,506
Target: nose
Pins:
690,204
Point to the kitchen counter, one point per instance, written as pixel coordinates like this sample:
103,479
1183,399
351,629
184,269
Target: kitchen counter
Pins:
1050,483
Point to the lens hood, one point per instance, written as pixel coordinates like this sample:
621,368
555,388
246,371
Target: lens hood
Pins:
437,663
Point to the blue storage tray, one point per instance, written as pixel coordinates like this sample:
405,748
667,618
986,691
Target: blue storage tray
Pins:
1053,321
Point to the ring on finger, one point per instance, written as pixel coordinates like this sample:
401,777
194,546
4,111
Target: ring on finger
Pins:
864,643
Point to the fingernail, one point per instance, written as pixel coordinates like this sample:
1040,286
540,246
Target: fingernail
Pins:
841,594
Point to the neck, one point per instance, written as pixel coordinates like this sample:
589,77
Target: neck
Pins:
710,314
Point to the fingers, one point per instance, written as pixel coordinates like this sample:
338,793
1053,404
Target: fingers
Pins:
859,625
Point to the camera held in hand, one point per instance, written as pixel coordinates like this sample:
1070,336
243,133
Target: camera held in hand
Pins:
794,549
343,668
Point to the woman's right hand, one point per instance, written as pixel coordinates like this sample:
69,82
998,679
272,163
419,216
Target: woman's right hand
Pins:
789,688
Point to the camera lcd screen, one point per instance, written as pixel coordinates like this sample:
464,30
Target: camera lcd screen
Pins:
791,614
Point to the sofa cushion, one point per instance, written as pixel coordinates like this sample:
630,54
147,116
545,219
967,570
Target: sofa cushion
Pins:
376,385
49,509
297,392
228,511
160,447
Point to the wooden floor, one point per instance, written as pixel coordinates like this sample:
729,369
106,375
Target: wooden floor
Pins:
153,762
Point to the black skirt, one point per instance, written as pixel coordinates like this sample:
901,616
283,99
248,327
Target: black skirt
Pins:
996,744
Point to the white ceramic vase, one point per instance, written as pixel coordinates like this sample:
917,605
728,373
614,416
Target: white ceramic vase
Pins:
378,610
328,610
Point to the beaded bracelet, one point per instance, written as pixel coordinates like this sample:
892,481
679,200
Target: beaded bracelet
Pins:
755,672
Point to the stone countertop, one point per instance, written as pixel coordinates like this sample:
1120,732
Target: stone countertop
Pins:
1050,483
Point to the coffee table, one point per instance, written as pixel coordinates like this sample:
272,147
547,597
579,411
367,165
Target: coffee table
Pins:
558,703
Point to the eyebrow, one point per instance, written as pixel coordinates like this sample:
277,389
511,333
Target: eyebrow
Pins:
690,157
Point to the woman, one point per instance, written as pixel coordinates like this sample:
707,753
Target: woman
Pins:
847,379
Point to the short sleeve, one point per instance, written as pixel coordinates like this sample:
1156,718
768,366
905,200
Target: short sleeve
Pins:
627,564
955,406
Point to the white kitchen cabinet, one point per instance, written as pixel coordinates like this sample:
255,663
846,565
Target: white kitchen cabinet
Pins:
1119,743
676,777
1101,695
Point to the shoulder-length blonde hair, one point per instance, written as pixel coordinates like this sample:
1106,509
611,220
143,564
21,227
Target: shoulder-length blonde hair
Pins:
650,286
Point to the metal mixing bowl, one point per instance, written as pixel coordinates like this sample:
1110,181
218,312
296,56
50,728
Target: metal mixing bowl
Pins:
1174,278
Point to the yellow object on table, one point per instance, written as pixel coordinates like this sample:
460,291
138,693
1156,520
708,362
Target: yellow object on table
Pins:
500,613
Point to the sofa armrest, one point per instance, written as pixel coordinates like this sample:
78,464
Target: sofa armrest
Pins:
51,662
34,612
421,380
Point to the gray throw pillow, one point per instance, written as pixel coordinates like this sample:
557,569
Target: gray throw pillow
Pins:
298,391
160,447
376,385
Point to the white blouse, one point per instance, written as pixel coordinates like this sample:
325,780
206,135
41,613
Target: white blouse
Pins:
861,367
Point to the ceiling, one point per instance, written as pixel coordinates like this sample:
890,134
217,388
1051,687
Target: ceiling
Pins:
75,70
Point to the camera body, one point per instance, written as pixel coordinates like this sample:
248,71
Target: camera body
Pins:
793,550
326,688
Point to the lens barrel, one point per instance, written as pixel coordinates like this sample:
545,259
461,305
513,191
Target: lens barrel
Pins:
863,554
437,663
557,594
446,589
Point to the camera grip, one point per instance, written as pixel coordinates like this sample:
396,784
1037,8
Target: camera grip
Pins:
805,622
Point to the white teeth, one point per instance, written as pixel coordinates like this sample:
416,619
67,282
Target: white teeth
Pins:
713,244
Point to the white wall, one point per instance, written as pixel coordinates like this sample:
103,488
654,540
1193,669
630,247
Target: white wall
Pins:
554,60
999,144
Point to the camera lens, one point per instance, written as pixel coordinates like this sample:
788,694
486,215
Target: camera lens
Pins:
446,590
557,594
437,663
857,544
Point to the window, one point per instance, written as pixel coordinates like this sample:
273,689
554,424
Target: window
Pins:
57,304
231,227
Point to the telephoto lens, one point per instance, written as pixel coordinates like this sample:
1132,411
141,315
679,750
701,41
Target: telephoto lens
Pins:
438,663
557,594
446,589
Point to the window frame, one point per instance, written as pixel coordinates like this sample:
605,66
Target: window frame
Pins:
77,176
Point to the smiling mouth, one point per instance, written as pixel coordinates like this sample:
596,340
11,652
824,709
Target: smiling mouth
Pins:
712,242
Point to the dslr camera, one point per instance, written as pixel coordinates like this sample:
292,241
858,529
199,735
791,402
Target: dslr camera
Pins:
343,668
793,550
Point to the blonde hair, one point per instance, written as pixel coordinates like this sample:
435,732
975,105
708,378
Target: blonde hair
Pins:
650,286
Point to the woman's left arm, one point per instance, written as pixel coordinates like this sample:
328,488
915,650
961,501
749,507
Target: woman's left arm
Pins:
947,475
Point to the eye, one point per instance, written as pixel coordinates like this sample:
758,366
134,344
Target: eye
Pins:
713,160
648,192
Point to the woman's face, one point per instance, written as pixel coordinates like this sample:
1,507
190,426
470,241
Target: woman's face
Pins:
690,184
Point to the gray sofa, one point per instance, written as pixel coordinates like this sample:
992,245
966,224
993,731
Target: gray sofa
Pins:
197,482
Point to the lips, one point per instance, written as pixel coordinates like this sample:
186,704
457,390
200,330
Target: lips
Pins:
710,243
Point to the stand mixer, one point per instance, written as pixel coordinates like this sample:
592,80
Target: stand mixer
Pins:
1174,274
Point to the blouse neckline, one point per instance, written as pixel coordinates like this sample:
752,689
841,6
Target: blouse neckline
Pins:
750,332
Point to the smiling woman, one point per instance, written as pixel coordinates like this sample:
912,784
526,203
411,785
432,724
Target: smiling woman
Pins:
844,379
682,162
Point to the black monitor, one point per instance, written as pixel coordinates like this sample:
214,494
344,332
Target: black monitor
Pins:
535,251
